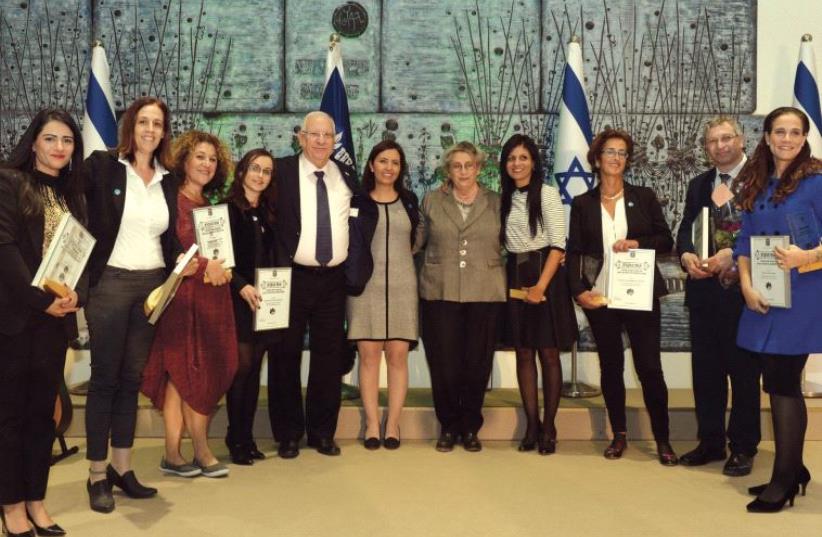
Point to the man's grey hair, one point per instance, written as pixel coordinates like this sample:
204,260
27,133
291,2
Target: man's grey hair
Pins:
317,114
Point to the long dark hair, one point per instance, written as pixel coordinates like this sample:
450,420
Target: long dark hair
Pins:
407,197
268,197
757,171
534,186
69,183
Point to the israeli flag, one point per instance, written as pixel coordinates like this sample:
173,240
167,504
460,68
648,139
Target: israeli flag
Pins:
572,173
806,93
335,104
99,123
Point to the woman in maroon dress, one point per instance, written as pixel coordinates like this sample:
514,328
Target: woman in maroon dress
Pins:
194,355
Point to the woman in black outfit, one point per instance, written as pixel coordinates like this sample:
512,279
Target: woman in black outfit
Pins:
132,200
533,232
40,183
251,202
616,217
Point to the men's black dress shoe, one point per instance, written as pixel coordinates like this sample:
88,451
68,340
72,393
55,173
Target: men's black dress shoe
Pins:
446,442
52,531
471,443
702,455
738,464
288,449
325,446
255,453
100,498
128,483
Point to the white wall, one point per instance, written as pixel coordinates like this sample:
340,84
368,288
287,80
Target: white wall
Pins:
780,27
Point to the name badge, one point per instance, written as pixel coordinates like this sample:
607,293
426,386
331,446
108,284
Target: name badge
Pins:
354,212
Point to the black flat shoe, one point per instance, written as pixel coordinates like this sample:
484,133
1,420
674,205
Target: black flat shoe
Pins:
802,479
241,457
761,506
371,443
702,455
128,483
666,454
288,449
617,446
52,531
325,446
100,498
445,442
471,443
547,444
5,530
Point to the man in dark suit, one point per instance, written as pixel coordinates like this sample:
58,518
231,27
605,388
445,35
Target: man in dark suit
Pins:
317,221
715,303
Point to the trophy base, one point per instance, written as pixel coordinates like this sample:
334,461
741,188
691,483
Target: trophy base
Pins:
811,390
577,390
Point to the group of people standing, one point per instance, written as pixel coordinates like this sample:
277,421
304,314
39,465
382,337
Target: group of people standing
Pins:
351,251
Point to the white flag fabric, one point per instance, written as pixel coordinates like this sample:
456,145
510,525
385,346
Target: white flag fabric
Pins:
99,122
572,173
806,93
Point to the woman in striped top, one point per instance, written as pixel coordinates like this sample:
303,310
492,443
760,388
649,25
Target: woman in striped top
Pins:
542,321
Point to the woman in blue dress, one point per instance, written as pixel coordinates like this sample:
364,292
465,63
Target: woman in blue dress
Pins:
780,183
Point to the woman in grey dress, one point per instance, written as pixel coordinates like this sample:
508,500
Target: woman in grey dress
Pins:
384,316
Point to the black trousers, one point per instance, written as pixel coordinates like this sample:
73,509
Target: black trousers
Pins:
715,358
30,372
317,302
459,339
643,328
120,342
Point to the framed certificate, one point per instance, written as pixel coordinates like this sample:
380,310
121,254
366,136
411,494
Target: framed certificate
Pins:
213,231
773,283
65,258
631,280
274,286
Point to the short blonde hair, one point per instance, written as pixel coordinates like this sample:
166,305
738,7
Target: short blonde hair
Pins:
478,155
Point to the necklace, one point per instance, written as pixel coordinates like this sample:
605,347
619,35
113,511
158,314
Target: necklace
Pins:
612,198
469,199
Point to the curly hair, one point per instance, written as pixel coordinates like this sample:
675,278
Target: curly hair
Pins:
183,147
599,143
757,171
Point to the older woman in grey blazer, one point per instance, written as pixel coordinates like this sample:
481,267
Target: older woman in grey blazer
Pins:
462,288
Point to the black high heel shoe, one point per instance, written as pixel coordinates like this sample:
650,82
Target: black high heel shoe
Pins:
547,443
6,531
761,506
528,442
618,445
128,483
52,531
802,479
392,442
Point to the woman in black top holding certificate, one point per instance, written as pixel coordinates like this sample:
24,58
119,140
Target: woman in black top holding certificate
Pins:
542,321
251,211
38,185
616,217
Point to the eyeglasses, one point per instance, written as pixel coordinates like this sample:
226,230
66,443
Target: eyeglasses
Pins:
317,136
468,166
724,139
611,152
256,168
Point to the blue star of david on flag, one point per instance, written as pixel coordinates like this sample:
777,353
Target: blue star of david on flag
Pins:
574,171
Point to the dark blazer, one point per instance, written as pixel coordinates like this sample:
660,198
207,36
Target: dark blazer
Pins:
699,196
646,225
243,234
106,197
21,251
362,222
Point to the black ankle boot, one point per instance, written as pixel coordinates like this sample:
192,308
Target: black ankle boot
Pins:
128,483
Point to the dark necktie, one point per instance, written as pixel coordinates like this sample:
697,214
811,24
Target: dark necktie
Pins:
323,251
725,178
